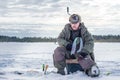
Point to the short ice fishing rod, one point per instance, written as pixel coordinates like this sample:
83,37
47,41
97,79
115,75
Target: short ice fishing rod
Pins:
68,11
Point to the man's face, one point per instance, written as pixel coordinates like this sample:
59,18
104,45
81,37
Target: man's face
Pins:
75,26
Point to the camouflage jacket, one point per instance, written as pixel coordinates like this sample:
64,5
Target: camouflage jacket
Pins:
88,42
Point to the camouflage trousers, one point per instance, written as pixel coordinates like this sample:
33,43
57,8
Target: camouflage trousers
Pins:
60,55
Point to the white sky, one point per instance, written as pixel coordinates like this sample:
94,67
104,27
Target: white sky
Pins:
48,17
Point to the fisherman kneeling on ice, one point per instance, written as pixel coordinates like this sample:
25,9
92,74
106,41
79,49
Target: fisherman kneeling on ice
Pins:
75,51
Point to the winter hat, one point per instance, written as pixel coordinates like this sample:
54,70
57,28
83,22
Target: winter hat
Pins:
74,18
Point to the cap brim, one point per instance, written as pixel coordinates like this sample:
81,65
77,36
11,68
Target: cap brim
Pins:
74,22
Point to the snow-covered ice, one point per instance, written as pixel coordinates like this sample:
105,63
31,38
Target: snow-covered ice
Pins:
23,61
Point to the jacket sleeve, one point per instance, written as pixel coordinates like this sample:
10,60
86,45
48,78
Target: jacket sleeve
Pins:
88,41
62,38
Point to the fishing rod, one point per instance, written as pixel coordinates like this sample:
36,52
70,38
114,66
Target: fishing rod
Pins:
68,12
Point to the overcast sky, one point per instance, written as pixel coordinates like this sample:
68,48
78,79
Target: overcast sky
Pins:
48,17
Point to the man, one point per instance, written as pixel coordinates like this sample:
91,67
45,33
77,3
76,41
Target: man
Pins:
65,40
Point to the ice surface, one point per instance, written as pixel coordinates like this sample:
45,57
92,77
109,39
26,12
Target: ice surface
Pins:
23,61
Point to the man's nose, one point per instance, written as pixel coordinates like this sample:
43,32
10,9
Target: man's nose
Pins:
74,24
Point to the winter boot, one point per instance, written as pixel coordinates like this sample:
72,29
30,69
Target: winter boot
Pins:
61,71
93,71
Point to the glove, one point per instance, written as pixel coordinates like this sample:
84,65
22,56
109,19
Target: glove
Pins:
72,56
81,54
69,47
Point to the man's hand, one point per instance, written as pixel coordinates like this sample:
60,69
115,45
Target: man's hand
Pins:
81,54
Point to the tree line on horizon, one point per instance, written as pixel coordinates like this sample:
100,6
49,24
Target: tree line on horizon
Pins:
97,38
106,38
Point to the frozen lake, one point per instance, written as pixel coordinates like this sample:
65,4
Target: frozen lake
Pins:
23,61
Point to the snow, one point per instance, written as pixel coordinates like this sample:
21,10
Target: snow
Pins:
23,61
